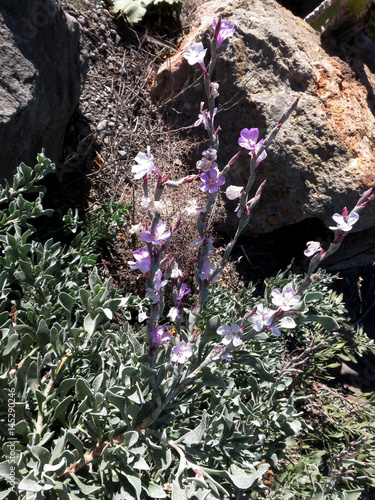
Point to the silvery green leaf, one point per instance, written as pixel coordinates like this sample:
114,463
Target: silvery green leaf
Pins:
12,344
244,480
66,301
287,322
196,435
42,334
155,491
40,453
57,469
30,483
327,322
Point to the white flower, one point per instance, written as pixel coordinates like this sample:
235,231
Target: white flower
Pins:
214,90
312,248
142,315
285,300
233,192
344,223
151,205
261,318
145,164
230,334
176,272
192,209
173,314
195,54
137,229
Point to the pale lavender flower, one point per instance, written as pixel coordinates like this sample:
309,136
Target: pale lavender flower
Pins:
261,157
176,271
261,318
181,353
142,260
159,336
233,192
211,181
249,138
285,300
196,54
217,354
210,154
158,236
205,164
312,248
205,117
184,290
154,293
344,222
145,165
214,87
226,30
275,330
208,269
230,334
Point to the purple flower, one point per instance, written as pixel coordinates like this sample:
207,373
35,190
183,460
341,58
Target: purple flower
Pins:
181,353
158,236
261,318
217,354
344,222
154,293
210,181
225,31
160,337
230,334
142,260
145,165
207,271
184,290
312,248
248,139
285,300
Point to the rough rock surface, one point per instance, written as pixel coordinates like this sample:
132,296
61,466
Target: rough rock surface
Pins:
324,156
40,73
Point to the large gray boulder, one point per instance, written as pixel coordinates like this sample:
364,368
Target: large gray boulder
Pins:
324,156
40,77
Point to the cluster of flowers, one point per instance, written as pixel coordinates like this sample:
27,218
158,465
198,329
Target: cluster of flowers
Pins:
156,235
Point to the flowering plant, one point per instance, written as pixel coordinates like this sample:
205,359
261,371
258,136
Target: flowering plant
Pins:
198,402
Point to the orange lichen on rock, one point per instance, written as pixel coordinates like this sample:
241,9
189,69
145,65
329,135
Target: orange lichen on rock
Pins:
344,100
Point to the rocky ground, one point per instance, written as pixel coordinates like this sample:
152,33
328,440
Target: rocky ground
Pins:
116,118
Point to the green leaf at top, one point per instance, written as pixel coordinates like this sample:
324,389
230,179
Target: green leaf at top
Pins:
134,10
